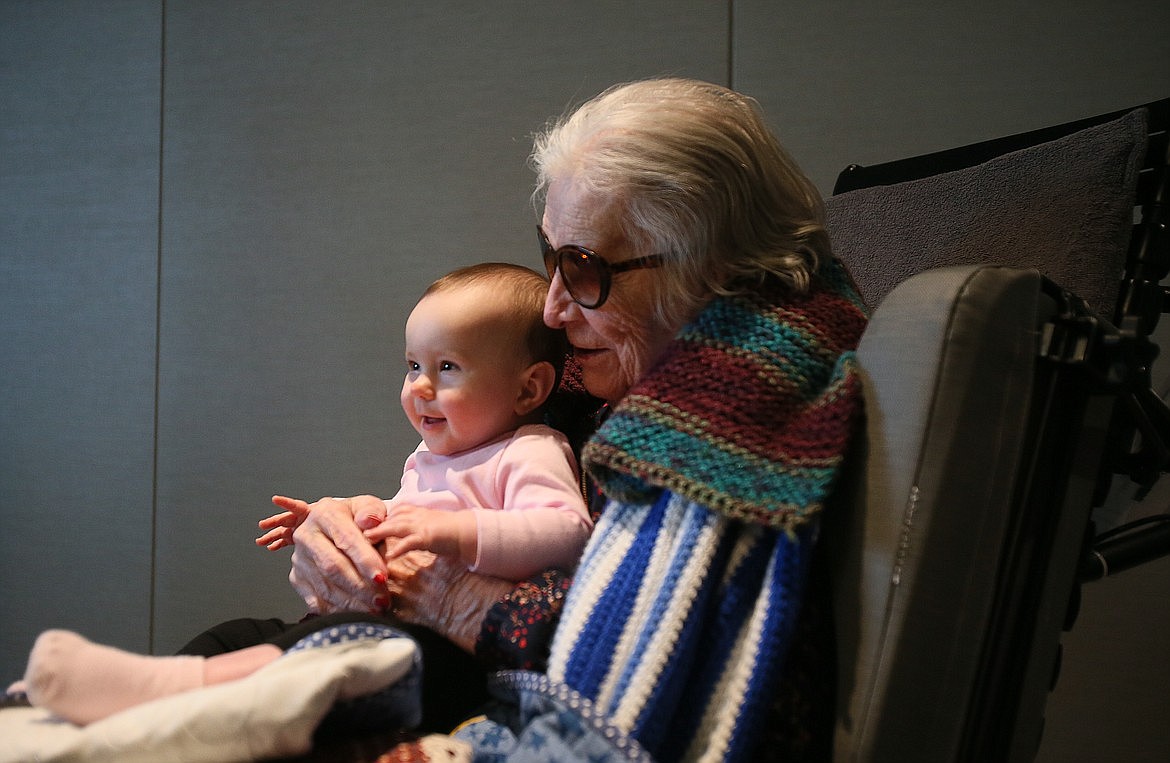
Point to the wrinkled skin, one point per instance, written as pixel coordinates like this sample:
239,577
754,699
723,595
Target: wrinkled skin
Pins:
615,344
335,568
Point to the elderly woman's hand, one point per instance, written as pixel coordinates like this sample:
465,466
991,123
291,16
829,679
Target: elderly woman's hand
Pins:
442,594
334,567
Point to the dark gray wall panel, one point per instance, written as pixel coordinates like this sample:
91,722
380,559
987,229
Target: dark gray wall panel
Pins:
322,164
79,111
1110,702
849,82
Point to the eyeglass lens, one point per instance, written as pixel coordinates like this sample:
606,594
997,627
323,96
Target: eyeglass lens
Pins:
581,271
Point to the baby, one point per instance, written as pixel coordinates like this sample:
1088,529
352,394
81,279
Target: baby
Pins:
489,484
480,364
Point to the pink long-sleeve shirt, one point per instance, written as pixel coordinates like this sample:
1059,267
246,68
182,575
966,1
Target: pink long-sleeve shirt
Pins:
525,494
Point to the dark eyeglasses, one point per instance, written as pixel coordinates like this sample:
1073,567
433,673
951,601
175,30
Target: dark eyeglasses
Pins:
585,273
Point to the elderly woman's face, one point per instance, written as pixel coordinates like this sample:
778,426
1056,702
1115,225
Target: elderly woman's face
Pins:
616,343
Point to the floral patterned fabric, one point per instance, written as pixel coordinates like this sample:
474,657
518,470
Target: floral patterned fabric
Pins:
518,630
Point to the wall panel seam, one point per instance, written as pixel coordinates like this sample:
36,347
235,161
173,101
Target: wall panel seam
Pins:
158,283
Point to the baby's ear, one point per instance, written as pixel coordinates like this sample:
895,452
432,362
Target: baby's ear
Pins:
537,385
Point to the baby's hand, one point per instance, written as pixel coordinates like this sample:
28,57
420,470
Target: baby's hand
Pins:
413,528
280,526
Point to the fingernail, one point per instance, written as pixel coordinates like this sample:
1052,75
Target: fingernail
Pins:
381,602
380,579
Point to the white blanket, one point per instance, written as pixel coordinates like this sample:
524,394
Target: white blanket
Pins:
269,714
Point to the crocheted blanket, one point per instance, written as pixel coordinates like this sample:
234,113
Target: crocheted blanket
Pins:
679,619
748,413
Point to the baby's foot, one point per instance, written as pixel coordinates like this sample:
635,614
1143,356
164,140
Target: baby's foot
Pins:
16,695
84,682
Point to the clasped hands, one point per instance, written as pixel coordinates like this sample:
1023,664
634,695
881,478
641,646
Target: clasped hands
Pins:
351,554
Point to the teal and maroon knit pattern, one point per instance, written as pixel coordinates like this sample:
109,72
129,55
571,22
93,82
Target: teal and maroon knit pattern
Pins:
750,410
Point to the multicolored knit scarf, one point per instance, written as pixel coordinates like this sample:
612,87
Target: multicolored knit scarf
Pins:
748,413
716,466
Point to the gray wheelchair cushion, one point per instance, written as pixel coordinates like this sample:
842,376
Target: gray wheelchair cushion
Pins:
1064,208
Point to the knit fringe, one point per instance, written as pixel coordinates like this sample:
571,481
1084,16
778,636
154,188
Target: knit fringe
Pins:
682,646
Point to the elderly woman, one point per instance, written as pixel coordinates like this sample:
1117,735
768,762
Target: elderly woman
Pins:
692,273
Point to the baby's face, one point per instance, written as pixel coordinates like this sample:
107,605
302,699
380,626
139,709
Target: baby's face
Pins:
464,374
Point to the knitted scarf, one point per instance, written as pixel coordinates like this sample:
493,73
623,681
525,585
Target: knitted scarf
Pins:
716,465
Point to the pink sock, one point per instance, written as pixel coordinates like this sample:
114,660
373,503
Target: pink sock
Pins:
84,682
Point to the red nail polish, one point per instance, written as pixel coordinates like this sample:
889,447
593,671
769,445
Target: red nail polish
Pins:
380,579
381,602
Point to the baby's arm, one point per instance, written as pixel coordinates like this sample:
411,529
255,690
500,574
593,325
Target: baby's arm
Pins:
280,526
414,528
545,522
